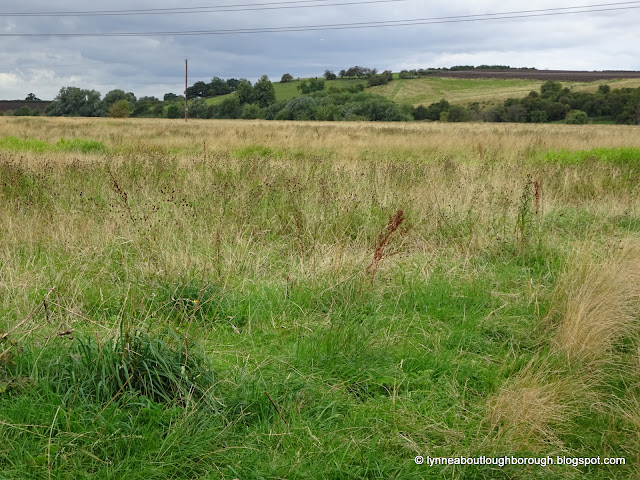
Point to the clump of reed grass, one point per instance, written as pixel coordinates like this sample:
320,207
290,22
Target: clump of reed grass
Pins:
160,367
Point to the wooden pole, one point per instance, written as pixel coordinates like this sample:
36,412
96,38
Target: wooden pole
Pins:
186,107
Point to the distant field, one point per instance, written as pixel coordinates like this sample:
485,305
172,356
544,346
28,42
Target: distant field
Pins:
306,300
424,91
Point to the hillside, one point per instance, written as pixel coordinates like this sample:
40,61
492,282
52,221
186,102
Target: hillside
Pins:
424,91
427,90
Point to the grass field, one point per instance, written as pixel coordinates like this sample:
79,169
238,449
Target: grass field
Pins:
246,299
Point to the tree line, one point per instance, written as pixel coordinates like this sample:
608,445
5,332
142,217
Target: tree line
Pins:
553,103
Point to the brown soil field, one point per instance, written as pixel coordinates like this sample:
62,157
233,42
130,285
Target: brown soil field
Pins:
559,75
11,105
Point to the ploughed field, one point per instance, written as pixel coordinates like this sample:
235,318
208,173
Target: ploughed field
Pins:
544,75
239,299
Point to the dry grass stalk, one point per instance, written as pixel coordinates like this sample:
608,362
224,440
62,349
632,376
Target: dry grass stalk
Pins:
383,239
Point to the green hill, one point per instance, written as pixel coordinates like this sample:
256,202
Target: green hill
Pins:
424,91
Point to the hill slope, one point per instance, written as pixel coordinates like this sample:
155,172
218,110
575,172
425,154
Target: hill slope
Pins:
424,91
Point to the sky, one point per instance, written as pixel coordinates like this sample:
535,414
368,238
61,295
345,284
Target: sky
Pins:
154,65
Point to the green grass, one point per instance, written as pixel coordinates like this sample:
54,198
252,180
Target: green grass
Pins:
16,144
235,313
624,157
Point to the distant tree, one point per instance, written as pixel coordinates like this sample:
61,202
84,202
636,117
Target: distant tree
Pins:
301,108
420,113
360,72
145,106
198,89
435,109
329,75
148,99
120,109
157,110
115,96
358,87
174,111
245,92
577,117
169,96
233,83
198,108
538,116
76,102
25,111
343,73
310,86
556,110
272,110
604,89
32,98
382,79
286,78
251,111
263,92
515,113
304,88
458,113
230,108
550,89
217,86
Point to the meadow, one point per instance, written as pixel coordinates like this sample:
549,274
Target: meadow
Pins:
267,300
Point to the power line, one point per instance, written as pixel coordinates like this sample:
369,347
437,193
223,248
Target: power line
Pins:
355,25
213,9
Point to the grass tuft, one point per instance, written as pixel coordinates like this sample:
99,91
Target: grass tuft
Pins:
158,367
601,304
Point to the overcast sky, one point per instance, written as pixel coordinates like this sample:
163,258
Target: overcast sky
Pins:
155,65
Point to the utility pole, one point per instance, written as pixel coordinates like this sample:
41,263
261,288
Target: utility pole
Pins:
186,108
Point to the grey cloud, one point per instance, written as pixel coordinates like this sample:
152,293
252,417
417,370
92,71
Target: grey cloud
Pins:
154,66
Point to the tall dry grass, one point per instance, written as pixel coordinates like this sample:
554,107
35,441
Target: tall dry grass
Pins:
600,304
597,306
344,140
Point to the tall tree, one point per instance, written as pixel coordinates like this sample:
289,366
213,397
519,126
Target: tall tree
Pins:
76,102
218,87
198,89
115,96
245,92
263,92
329,75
